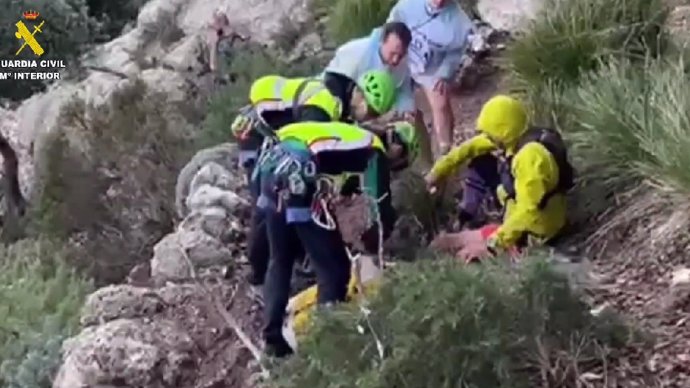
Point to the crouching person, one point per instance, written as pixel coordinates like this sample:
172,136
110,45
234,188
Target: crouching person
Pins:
299,177
528,170
277,101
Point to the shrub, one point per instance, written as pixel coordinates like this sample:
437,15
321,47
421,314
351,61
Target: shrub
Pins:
114,15
569,38
107,177
441,324
254,61
629,123
68,31
351,19
40,299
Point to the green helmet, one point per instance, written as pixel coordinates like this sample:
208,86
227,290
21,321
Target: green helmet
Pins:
408,135
379,90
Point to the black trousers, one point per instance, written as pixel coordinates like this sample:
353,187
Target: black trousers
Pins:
329,260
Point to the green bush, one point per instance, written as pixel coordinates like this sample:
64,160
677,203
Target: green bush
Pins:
255,61
569,38
67,32
442,324
114,15
40,300
107,177
628,122
351,19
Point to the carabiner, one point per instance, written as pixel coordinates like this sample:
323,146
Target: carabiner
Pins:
309,169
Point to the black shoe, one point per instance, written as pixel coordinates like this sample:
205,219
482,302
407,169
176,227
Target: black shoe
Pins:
278,348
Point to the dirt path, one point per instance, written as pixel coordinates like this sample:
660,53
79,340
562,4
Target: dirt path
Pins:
636,282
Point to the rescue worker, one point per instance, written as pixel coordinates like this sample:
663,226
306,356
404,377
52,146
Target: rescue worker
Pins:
299,177
277,101
527,168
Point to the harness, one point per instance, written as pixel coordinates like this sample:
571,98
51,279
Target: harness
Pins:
553,142
321,212
294,176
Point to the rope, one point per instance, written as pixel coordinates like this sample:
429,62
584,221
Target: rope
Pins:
320,210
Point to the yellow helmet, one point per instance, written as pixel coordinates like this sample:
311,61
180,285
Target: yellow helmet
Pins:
503,119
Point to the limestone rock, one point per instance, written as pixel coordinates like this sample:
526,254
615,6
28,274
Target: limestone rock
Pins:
174,86
212,196
169,261
679,290
120,301
508,15
185,54
224,155
215,175
130,353
679,24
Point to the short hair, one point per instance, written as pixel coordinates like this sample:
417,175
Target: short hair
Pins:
399,29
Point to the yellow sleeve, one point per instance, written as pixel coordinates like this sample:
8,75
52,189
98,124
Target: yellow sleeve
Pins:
533,169
469,149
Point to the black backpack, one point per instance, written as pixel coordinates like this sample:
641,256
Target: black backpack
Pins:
553,142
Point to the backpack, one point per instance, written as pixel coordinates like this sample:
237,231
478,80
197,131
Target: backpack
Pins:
553,142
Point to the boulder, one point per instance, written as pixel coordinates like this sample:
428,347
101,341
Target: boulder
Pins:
120,301
213,166
129,353
166,48
171,256
508,15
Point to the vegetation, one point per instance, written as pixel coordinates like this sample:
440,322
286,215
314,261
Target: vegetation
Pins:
114,15
351,19
600,70
108,176
254,62
570,38
441,324
606,75
40,300
71,27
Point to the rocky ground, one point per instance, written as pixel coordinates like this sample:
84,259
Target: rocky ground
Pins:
178,320
179,336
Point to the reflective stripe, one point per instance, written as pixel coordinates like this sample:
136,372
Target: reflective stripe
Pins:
297,214
246,156
310,91
280,102
278,88
338,144
264,202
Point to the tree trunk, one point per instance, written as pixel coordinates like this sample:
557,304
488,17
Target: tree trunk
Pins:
15,204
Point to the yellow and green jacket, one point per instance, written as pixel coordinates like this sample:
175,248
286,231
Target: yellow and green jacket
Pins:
341,152
276,93
535,173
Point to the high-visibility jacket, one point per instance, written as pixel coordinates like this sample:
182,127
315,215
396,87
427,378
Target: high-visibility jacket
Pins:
339,152
349,141
276,93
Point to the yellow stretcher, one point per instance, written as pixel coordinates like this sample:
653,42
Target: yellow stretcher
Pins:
301,306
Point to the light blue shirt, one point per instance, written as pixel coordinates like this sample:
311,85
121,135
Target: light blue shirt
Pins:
358,56
439,37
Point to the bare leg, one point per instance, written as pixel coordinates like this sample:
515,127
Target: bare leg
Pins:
442,114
